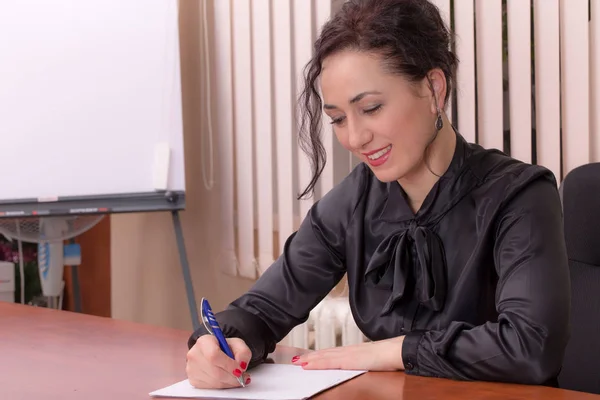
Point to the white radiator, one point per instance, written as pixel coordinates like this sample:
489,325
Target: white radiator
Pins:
330,324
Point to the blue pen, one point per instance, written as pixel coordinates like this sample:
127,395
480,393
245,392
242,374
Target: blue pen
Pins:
211,325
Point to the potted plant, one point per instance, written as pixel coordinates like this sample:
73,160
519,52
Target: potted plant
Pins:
9,252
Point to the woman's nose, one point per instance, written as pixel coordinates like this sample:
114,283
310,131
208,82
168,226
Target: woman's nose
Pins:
358,137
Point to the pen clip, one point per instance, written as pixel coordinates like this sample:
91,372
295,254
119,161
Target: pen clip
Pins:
204,318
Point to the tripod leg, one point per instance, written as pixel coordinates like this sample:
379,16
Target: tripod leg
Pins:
185,267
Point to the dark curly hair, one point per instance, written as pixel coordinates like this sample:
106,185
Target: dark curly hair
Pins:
410,36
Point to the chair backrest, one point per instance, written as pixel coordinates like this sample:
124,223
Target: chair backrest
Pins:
580,192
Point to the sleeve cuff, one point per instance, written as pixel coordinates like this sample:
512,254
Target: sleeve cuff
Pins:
410,348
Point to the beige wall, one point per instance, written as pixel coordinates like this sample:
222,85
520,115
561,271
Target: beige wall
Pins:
147,284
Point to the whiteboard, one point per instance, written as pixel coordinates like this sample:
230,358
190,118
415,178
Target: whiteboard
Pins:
88,88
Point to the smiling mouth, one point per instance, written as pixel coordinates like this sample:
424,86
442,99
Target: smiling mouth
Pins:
380,153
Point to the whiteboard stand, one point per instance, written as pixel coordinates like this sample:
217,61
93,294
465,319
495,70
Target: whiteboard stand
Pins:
185,268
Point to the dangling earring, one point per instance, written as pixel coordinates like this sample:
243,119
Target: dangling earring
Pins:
439,122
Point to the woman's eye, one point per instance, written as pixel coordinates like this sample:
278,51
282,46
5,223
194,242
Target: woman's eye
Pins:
373,109
370,110
337,121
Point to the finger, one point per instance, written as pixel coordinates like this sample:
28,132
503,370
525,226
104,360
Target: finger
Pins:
323,363
315,355
199,373
211,376
333,358
199,378
225,379
246,378
222,371
346,361
218,359
205,381
241,351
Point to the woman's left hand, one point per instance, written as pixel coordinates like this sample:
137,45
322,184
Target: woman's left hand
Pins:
383,355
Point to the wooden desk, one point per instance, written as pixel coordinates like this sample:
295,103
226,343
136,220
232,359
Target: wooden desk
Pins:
48,354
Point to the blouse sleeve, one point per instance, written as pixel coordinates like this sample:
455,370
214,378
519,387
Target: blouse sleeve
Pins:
311,264
526,344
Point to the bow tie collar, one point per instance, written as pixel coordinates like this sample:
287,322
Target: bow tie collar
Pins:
414,248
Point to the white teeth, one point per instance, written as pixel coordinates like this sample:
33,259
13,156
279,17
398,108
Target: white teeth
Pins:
380,153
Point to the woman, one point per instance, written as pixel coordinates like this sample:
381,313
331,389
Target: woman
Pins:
455,256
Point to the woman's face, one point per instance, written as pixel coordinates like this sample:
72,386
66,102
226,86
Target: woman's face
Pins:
385,120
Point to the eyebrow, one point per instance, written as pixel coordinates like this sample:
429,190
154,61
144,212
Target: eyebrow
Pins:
353,100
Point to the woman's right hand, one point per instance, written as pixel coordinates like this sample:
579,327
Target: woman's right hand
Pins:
208,367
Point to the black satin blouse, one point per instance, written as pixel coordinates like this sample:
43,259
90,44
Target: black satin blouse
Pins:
477,280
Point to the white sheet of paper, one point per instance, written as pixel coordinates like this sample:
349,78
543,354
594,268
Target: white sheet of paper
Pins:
269,382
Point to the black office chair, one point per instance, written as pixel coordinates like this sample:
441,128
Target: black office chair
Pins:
580,192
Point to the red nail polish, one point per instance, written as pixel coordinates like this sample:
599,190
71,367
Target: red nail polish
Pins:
237,373
295,358
243,364
303,364
247,381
